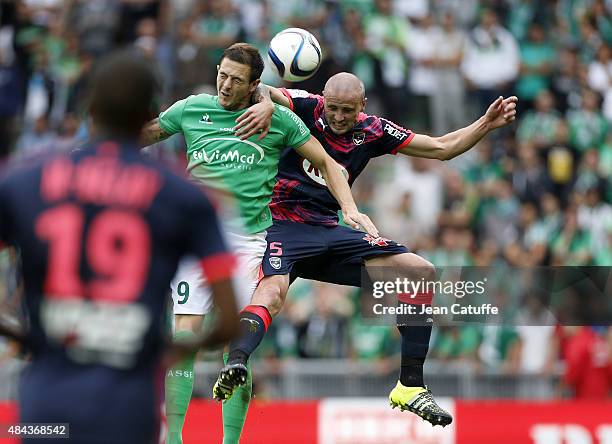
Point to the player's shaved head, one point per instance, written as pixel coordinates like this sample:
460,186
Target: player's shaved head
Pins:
345,99
345,85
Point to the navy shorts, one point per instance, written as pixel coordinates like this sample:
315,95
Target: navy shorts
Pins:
328,254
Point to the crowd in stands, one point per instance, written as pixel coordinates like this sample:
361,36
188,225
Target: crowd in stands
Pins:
536,194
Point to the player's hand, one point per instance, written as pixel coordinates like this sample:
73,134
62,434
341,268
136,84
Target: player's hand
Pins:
360,221
257,118
501,112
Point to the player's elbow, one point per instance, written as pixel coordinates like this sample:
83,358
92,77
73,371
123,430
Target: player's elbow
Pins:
440,149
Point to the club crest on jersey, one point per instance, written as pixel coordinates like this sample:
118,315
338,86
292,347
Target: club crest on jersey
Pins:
316,175
275,262
376,241
358,138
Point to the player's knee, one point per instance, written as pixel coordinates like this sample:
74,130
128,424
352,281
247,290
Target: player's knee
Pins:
192,323
271,293
417,267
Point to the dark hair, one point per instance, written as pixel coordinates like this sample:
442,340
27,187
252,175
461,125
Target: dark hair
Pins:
122,92
247,55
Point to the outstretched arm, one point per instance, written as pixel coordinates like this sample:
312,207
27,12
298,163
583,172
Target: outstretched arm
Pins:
259,116
152,133
500,113
337,184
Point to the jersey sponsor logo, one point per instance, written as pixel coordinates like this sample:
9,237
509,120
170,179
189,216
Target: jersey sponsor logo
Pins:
358,138
315,174
296,120
206,119
376,241
275,262
395,132
232,158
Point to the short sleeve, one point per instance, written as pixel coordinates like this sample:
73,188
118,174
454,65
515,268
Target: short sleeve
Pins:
296,133
206,241
301,102
392,138
170,120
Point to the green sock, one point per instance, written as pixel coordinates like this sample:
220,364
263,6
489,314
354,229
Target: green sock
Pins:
235,409
179,387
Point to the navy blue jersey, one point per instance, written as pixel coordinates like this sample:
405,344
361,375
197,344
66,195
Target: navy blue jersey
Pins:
300,194
100,232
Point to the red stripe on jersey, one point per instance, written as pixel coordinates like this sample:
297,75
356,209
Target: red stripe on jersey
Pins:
260,311
286,94
403,145
218,266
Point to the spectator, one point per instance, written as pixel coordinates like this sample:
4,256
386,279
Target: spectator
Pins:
530,179
573,246
535,327
217,26
387,37
448,96
422,79
595,215
459,202
537,60
491,59
500,214
589,363
530,245
323,335
543,125
587,126
566,82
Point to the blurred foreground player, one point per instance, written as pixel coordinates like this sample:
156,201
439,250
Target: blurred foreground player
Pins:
306,240
101,232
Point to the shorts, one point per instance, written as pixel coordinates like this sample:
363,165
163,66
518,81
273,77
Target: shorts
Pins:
329,254
191,295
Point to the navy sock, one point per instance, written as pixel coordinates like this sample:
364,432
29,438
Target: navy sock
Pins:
415,345
254,322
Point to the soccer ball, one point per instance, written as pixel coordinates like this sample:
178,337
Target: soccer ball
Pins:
295,54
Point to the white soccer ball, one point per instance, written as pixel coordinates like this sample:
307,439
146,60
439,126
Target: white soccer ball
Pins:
295,54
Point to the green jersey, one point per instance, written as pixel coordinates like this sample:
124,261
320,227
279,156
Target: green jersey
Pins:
244,168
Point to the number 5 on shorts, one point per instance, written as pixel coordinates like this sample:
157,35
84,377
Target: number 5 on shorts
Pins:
183,291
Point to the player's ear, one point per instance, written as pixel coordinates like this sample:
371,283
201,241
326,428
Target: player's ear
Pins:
253,86
363,103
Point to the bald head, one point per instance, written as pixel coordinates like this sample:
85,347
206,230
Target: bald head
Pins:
344,96
345,85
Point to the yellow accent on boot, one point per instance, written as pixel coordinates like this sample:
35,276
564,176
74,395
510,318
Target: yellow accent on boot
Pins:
419,401
401,395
